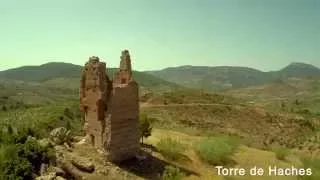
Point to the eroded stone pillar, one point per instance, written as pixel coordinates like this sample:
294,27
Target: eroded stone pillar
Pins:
94,90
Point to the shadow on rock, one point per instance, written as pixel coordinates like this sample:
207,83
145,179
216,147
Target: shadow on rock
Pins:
150,167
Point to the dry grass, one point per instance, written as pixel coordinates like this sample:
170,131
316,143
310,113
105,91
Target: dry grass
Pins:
245,157
217,150
281,152
171,148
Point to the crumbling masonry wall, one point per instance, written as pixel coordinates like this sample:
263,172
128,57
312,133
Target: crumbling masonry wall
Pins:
124,115
94,94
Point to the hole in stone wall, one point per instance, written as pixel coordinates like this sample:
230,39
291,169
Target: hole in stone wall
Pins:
92,139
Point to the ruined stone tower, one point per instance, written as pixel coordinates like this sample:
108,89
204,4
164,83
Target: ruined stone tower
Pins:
93,99
111,108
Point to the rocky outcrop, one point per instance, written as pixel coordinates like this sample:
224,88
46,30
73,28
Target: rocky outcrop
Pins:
83,164
44,143
50,176
60,136
66,168
59,171
71,170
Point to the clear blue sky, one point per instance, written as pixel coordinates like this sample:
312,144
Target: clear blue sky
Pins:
263,34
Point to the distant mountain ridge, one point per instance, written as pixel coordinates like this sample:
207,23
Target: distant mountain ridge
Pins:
224,77
200,77
54,73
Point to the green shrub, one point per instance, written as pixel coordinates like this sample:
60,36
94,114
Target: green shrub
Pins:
21,156
170,148
4,108
145,127
172,173
12,166
68,113
68,125
36,154
15,137
297,102
281,152
217,150
304,111
314,165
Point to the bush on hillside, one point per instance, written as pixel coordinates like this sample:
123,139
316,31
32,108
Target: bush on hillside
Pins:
314,165
71,118
145,126
21,155
304,111
4,97
217,150
4,108
68,113
68,125
172,173
281,152
12,166
171,148
9,136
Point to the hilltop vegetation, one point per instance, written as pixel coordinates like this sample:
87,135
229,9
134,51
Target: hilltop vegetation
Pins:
226,77
43,72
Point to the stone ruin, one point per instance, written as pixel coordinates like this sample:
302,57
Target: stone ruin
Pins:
111,108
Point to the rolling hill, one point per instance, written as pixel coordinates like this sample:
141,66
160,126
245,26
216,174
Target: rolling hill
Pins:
43,72
297,69
226,77
66,75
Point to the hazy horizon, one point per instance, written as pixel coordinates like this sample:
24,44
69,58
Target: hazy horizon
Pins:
162,68
265,35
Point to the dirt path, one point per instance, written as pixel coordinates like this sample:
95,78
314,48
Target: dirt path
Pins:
145,105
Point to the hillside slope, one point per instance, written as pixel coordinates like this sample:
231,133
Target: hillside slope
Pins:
297,69
291,94
199,77
66,75
43,72
225,77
